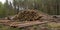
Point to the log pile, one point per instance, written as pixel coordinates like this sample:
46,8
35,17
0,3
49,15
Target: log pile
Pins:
27,15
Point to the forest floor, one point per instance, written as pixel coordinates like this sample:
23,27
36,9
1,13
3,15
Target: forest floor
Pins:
46,26
49,25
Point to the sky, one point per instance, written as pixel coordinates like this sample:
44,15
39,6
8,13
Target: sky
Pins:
2,1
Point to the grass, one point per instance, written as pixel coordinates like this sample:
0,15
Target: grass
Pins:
53,25
2,27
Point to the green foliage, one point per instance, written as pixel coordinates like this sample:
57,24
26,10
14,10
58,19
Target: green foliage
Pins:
47,6
6,9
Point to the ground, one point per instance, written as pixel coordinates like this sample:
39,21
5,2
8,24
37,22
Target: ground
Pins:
47,26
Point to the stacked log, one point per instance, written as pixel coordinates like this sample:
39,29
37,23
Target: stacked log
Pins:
27,15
